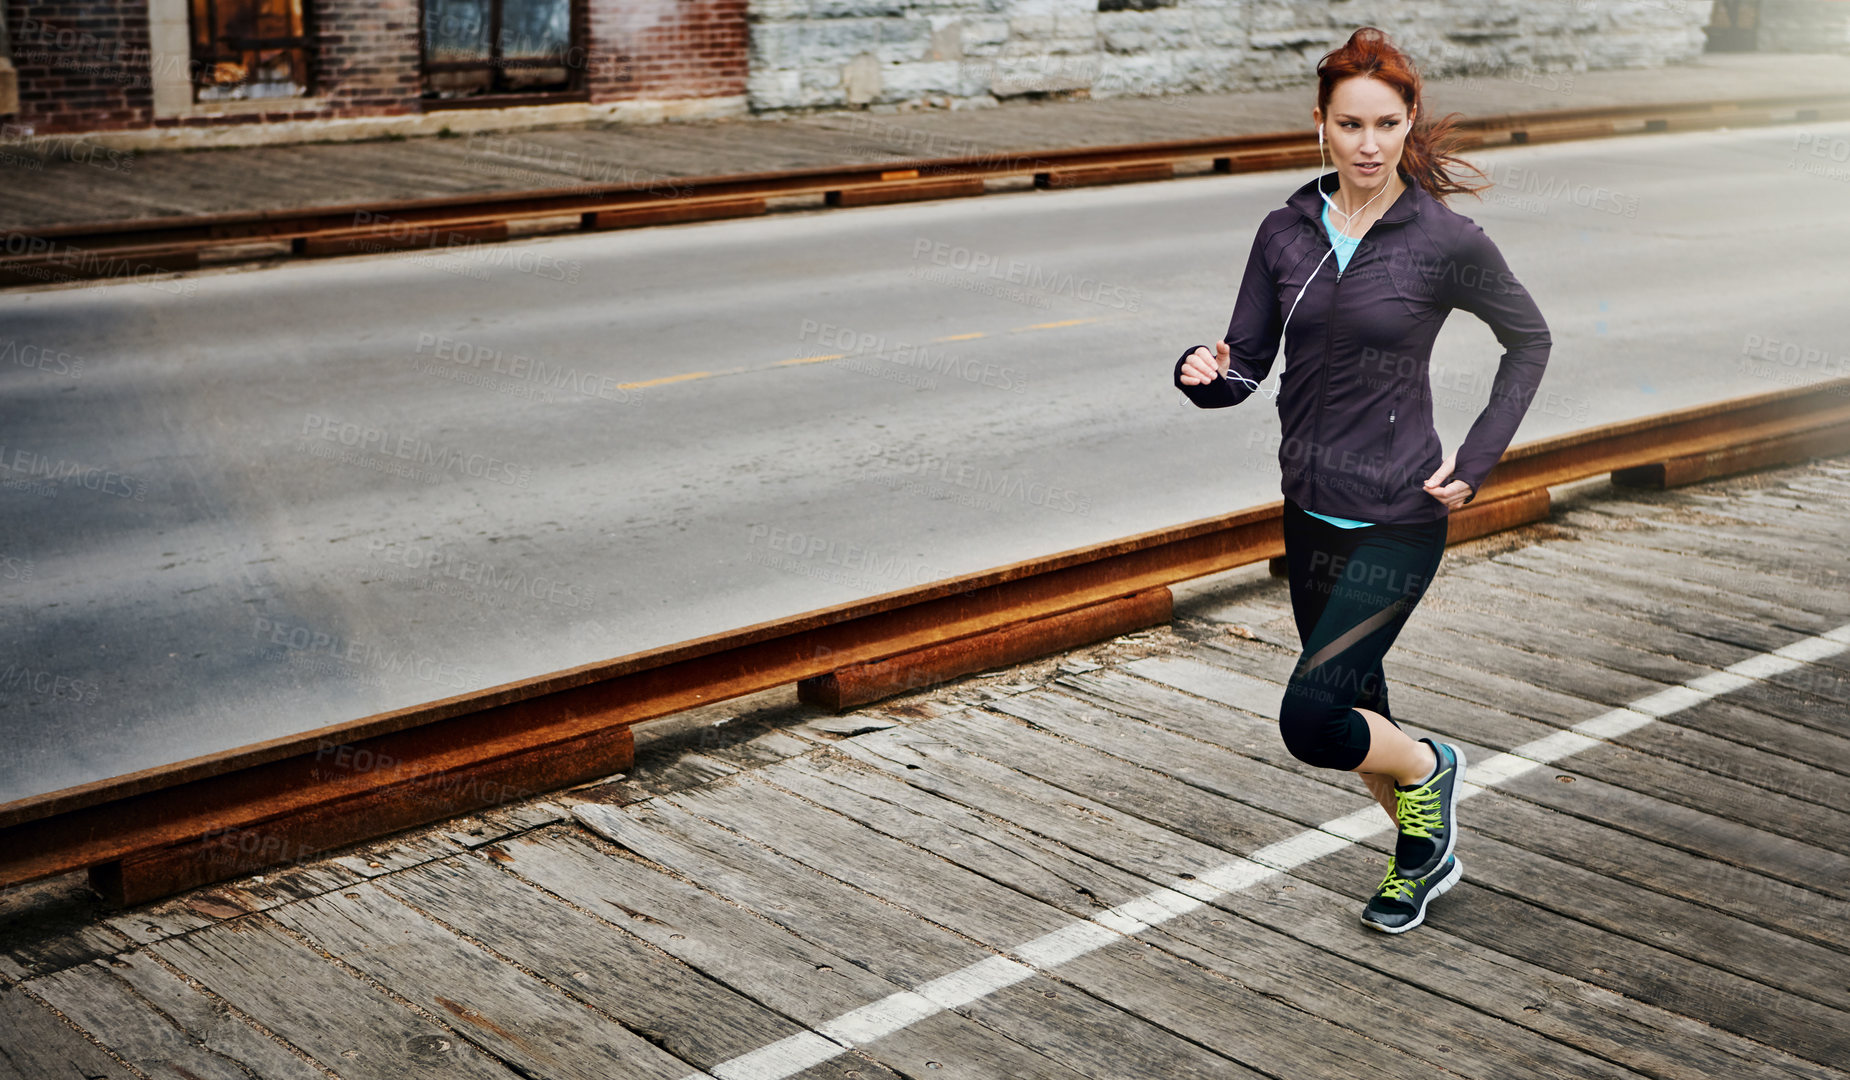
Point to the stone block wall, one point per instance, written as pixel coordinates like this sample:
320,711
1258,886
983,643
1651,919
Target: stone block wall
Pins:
810,54
1804,26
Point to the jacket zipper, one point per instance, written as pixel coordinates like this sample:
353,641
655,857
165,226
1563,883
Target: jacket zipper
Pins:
1387,466
1323,384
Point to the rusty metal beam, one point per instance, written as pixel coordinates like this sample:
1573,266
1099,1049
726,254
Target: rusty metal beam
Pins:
858,684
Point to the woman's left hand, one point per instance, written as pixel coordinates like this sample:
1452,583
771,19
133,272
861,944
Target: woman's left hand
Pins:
1452,494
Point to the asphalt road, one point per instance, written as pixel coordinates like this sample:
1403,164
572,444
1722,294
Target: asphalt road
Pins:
243,504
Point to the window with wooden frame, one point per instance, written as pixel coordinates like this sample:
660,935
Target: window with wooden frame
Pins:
496,51
249,49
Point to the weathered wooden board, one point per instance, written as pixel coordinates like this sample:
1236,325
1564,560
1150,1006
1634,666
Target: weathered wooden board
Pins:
1640,1034
859,931
330,1013
169,1032
796,975
1660,643
1708,529
1439,697
54,934
1342,991
690,1015
1718,718
1794,909
1779,567
1624,599
1702,934
1504,701
1785,573
1042,867
1224,1017
1623,569
1518,928
1525,683
1706,935
37,1045
1725,717
518,1019
1756,809
1297,796
1738,1004
1534,630
1186,817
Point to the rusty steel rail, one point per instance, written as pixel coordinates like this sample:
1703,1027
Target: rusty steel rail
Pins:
174,826
151,245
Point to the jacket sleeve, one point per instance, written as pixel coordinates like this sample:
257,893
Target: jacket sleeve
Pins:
1252,335
1480,282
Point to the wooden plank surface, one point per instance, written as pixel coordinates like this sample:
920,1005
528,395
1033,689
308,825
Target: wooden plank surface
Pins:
686,1012
1410,1018
1042,866
1477,695
38,1045
1743,1008
1227,1019
519,1020
166,1028
1703,933
1025,1030
804,977
331,1013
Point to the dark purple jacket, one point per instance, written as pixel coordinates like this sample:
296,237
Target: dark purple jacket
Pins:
1354,397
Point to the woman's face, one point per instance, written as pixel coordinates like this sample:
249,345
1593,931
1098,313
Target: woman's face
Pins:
1364,131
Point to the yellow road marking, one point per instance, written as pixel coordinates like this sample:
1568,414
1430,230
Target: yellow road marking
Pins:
1053,325
837,356
665,379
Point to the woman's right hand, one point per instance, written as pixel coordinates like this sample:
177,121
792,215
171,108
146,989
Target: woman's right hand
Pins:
1199,368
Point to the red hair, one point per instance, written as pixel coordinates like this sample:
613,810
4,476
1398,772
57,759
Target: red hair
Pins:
1430,145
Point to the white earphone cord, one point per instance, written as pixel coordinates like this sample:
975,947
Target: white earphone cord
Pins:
1273,392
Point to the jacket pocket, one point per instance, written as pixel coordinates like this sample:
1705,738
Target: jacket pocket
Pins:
1389,470
1412,287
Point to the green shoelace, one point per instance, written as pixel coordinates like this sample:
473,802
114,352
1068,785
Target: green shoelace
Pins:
1394,887
1418,809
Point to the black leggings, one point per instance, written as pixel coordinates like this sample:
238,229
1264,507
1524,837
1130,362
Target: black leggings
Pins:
1351,592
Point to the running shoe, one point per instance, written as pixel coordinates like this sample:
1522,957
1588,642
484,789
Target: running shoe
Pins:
1400,904
1426,812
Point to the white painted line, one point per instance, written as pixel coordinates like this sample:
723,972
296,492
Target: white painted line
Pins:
874,1021
1721,682
785,1057
968,984
891,1013
1610,725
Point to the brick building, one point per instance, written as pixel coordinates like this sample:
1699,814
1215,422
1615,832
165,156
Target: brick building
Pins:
358,67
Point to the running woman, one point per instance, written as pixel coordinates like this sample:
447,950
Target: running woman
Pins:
1366,509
